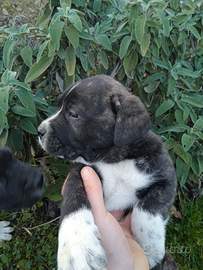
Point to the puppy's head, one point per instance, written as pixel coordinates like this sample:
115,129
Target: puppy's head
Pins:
20,185
95,113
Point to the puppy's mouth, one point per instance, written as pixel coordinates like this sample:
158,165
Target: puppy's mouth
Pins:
54,147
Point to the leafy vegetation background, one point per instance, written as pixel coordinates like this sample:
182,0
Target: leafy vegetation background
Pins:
155,49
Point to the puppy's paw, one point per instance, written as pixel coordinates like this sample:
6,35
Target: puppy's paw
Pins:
79,243
5,231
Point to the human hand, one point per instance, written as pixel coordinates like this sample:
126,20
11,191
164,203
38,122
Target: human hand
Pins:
121,250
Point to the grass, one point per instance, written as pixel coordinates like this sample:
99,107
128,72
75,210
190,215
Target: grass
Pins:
30,248
185,236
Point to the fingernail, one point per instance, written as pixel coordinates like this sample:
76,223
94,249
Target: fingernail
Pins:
85,174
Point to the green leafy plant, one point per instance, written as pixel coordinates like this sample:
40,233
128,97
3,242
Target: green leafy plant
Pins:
20,113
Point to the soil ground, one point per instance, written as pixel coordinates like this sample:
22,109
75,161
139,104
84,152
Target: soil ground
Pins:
9,9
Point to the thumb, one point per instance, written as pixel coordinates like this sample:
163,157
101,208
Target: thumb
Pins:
94,191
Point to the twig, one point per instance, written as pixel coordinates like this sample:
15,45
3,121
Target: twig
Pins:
28,230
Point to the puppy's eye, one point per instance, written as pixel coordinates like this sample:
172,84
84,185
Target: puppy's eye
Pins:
74,115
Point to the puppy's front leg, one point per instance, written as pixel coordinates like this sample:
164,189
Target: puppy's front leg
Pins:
79,239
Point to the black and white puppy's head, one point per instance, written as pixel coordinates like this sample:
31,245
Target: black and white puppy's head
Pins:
20,185
93,114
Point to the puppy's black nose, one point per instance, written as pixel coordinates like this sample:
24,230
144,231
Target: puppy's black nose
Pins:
41,132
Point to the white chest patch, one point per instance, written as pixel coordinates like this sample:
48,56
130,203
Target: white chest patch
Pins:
120,182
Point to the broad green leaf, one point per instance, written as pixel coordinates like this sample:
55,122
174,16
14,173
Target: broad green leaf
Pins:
84,62
38,68
26,54
152,78
55,33
171,85
174,4
185,81
170,143
3,120
4,94
160,63
5,77
184,179
61,53
192,101
124,46
187,72
42,48
26,125
67,2
130,62
164,20
181,104
186,112
96,5
194,31
75,20
134,11
45,16
190,3
7,49
198,126
182,37
164,45
139,27
72,34
17,109
70,60
90,58
11,31
23,85
187,141
178,149
85,36
51,48
195,165
181,167
177,128
104,59
200,161
199,134
151,87
26,99
17,139
144,45
179,116
155,50
164,107
104,41
3,137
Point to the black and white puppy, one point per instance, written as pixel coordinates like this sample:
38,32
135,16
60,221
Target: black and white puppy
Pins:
100,124
20,184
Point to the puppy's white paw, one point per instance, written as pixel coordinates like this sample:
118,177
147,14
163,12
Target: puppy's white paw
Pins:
79,244
5,231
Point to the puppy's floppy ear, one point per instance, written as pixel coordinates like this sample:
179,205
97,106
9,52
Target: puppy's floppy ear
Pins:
132,119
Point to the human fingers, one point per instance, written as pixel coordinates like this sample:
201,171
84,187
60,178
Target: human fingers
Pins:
94,192
118,214
62,190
